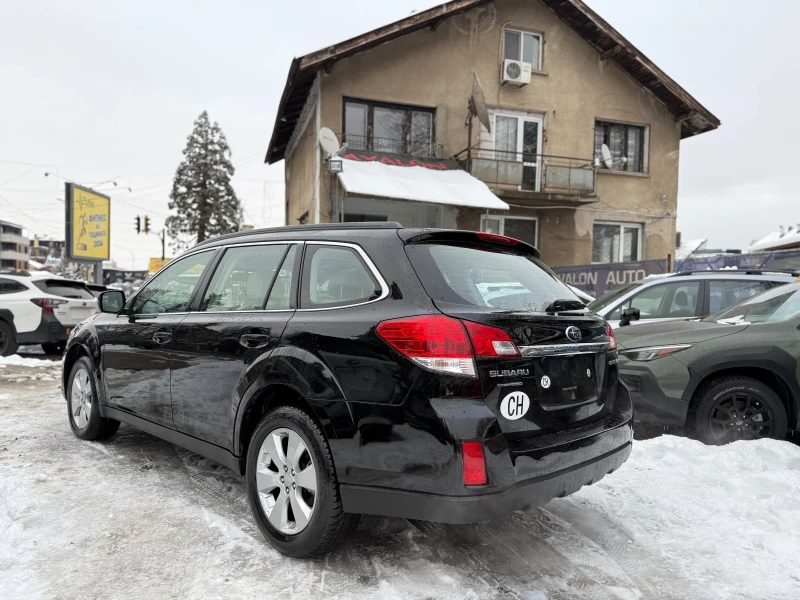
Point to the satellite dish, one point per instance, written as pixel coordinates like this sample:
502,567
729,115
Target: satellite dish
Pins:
479,103
607,160
329,141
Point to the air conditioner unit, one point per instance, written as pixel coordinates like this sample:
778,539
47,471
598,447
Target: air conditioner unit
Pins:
516,72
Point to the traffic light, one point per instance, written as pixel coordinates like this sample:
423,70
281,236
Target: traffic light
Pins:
146,227
138,222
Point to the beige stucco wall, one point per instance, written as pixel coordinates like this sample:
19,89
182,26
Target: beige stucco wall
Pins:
301,170
434,68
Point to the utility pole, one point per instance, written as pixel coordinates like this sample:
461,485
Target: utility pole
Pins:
163,242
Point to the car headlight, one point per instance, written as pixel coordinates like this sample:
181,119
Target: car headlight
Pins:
652,352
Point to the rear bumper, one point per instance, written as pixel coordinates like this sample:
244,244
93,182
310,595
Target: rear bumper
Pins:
50,330
522,474
472,509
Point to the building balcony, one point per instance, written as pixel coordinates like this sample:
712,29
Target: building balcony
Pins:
410,147
536,176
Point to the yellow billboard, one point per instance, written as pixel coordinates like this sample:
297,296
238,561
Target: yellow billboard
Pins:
88,224
156,264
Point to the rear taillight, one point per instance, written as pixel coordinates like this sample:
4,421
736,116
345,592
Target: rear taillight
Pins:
435,342
473,463
612,341
442,343
497,239
490,341
48,304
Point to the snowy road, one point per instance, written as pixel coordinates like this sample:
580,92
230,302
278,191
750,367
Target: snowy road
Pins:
136,517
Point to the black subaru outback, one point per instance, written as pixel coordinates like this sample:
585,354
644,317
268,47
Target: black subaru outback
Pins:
361,369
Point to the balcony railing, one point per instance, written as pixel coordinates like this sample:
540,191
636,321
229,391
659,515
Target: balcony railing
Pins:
531,172
366,143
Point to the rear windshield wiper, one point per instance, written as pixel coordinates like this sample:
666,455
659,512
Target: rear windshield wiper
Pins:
557,306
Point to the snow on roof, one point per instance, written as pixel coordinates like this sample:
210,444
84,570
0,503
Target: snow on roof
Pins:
789,238
454,187
688,247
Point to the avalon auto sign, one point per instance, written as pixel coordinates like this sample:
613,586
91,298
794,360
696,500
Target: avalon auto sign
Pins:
599,279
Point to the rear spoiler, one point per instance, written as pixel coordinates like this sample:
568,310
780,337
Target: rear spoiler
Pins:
472,238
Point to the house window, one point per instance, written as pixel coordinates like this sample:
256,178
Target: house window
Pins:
616,242
626,146
521,228
524,46
393,128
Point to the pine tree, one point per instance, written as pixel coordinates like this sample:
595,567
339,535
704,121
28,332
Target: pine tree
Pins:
202,196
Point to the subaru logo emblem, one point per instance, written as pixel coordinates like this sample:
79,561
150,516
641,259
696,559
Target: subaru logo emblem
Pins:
573,333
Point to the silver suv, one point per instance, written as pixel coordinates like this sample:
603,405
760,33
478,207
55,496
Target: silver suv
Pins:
685,295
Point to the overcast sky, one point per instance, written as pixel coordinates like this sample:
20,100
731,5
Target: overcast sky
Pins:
98,90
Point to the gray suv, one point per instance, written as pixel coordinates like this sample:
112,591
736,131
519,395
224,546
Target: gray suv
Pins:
685,295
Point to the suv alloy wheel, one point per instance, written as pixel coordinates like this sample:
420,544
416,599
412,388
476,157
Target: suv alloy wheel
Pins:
82,405
292,486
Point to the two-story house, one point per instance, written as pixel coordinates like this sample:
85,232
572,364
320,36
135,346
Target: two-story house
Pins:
530,118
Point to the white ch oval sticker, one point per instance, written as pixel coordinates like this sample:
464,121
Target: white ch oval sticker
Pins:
515,405
545,382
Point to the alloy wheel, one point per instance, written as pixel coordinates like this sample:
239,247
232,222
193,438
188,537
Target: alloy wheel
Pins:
740,416
81,398
286,480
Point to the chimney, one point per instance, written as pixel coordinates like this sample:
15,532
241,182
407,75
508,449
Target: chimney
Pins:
780,230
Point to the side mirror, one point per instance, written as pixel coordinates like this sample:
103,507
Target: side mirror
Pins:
111,301
628,315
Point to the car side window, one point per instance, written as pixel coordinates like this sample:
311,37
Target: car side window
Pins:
723,294
336,276
280,296
171,290
9,286
243,278
664,301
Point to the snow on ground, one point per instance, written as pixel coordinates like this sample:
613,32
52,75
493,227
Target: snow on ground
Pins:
15,360
138,517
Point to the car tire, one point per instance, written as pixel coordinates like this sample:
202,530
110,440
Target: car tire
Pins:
54,348
269,468
83,408
732,408
8,339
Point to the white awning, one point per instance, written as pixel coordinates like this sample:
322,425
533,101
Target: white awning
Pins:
438,183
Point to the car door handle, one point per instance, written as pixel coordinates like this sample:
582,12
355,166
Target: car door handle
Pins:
162,336
254,340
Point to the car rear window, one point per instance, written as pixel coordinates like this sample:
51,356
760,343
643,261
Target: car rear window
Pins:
65,289
485,277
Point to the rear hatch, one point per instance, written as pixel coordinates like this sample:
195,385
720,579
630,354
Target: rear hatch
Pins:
561,375
75,301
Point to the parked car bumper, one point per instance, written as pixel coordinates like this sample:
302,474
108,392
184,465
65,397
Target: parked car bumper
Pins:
522,475
50,330
653,403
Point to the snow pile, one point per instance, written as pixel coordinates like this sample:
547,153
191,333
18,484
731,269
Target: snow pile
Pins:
722,513
15,360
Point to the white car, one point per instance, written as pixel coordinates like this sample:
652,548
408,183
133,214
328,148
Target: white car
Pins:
687,295
40,308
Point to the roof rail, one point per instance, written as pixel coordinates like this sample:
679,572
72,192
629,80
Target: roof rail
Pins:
20,272
293,228
792,272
